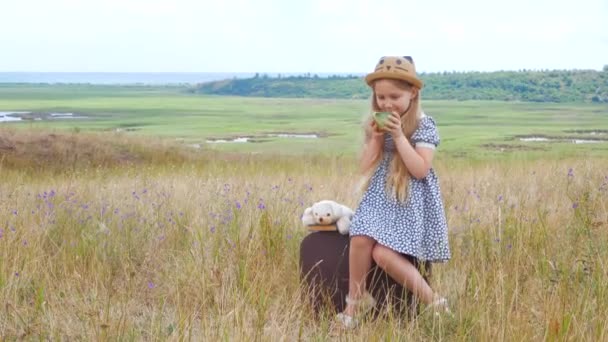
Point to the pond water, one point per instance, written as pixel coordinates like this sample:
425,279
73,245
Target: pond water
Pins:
66,116
566,139
583,141
10,116
38,116
271,135
590,132
294,135
235,140
534,139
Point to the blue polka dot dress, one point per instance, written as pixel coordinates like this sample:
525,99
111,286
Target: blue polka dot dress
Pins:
416,227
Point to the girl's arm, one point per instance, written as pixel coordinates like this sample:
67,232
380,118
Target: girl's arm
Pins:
418,161
374,139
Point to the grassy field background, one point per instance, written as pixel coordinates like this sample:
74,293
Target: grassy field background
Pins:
109,235
474,130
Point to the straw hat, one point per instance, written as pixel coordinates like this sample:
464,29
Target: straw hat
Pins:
395,67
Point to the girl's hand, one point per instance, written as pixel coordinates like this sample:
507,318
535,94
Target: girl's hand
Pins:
373,131
393,125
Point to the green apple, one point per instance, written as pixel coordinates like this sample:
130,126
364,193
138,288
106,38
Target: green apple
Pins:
381,118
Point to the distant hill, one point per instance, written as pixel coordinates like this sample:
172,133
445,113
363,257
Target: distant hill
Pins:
534,86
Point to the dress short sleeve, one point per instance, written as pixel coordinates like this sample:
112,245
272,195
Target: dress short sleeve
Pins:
426,134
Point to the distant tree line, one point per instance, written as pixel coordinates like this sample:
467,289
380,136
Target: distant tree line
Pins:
524,85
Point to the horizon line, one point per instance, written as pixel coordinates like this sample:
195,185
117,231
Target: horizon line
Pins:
284,72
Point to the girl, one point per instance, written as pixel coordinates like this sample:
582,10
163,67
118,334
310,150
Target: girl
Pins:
401,213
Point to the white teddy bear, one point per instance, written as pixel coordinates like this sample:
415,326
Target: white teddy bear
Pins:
328,212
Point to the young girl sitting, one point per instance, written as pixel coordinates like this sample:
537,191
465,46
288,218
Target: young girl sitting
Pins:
401,212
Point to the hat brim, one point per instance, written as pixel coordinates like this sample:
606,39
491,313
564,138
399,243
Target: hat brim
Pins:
416,82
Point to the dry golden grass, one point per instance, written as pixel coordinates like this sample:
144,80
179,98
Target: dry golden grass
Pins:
207,249
36,150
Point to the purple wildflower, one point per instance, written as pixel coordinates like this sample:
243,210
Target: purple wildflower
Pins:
151,285
574,205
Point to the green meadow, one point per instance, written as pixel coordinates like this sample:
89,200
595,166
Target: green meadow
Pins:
473,129
115,227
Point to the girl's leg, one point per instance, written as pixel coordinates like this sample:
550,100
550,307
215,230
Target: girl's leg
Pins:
359,264
403,272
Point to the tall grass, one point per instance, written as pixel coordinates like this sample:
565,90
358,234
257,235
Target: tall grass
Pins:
208,249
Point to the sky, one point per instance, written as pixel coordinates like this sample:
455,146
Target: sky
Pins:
316,36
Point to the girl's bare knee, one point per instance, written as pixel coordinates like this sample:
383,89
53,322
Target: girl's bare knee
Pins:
362,242
379,255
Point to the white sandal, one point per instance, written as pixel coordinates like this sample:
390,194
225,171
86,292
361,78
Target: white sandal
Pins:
440,306
362,306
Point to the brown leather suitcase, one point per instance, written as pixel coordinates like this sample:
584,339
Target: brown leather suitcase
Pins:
324,269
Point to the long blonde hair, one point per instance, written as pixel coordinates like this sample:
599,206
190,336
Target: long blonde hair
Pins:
398,177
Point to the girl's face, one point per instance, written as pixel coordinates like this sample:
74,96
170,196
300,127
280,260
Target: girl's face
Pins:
393,96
